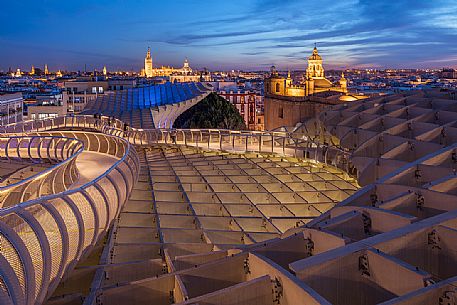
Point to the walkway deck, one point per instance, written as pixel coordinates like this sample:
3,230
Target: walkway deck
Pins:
91,165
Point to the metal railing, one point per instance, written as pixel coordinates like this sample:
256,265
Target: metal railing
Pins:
43,238
69,121
283,143
39,149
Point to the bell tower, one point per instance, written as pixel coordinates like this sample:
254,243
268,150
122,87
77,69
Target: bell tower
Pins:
148,64
343,83
315,68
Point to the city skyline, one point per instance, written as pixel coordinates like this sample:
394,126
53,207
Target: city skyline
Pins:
251,35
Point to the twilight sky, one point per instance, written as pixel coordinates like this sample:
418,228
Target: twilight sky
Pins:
240,34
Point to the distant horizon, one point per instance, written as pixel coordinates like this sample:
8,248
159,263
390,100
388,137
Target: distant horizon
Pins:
303,69
327,67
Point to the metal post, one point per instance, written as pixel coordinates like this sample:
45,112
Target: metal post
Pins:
295,141
272,142
260,142
220,140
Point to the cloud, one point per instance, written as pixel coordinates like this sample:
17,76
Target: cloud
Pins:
408,33
195,38
254,53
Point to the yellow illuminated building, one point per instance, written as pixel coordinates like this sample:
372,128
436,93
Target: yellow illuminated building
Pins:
150,71
315,81
148,64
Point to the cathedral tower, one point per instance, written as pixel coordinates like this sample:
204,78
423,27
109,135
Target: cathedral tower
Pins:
186,69
148,64
343,83
315,68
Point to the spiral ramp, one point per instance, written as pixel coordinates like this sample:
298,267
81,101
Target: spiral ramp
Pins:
73,187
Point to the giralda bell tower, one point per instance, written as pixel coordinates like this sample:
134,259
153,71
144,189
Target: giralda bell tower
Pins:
148,64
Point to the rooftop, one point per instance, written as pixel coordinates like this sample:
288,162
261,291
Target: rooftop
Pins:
230,217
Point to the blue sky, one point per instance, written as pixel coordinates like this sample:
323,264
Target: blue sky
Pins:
239,34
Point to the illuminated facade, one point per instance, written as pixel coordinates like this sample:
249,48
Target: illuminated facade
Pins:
246,103
315,81
184,74
148,70
287,104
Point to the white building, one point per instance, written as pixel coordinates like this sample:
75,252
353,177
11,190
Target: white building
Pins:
79,92
11,106
47,106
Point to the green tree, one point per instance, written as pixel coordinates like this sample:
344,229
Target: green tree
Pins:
212,112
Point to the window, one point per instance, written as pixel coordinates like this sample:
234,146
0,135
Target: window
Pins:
100,89
278,87
94,89
42,116
281,113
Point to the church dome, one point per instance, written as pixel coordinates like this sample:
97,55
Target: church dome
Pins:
347,98
315,55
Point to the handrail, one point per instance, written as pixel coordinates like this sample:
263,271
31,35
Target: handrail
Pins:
42,175
127,153
279,142
83,121
44,238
